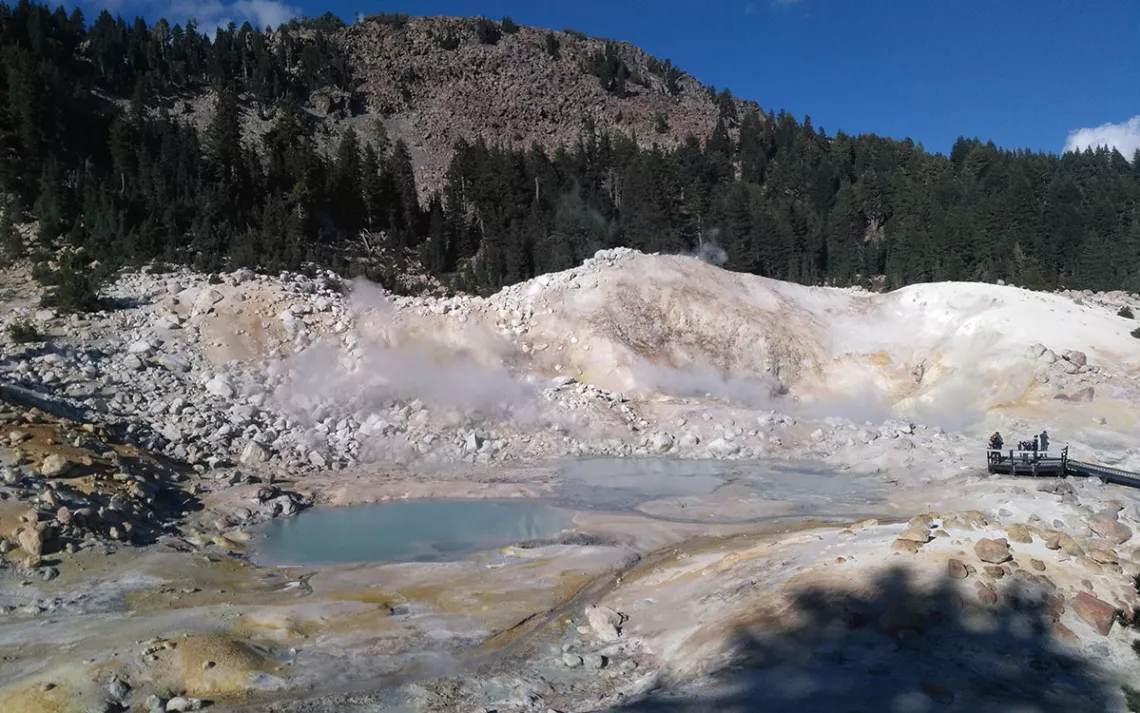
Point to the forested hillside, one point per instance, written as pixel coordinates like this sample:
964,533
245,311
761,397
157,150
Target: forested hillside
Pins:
95,148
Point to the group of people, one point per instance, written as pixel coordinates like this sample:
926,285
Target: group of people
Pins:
1040,443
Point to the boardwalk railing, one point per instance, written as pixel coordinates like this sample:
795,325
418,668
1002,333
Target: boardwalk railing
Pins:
1040,464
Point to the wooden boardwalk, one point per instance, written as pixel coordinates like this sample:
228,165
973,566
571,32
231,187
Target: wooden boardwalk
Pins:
1042,465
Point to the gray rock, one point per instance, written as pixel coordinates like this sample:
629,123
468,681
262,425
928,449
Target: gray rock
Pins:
118,690
604,622
1076,357
168,321
594,661
132,363
173,362
720,448
254,453
183,703
571,660
661,442
473,443
206,299
220,386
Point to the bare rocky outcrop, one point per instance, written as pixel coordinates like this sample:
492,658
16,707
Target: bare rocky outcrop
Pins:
431,82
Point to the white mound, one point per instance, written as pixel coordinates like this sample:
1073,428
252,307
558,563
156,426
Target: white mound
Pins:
647,324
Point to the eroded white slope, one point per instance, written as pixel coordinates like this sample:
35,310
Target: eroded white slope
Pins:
648,323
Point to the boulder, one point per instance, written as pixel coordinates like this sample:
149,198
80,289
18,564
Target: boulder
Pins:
975,518
604,622
206,299
909,546
1075,357
118,690
178,704
55,466
1056,487
220,386
920,535
1107,526
661,442
925,520
1096,613
993,551
956,569
254,453
37,540
173,362
1085,395
720,448
1103,556
986,594
1019,533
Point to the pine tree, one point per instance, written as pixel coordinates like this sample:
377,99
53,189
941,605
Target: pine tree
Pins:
404,178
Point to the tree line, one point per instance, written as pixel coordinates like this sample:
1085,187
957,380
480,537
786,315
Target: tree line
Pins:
93,147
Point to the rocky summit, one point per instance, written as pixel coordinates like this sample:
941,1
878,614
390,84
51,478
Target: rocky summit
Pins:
436,81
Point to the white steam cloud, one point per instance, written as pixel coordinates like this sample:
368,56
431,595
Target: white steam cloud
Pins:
383,365
1124,137
386,363
709,251
758,391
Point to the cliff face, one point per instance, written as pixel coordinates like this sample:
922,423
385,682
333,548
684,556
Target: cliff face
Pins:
432,81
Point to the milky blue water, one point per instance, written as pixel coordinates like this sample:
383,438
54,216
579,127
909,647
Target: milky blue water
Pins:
414,530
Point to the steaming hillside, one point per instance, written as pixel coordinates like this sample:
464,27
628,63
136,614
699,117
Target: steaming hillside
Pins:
651,324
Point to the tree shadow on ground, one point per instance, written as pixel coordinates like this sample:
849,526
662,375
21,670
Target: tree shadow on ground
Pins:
900,648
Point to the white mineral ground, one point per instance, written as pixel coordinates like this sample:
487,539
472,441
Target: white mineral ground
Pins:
723,441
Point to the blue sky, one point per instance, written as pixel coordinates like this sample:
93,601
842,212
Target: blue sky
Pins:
1038,74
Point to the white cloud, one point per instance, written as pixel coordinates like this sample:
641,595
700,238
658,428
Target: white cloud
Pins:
209,14
263,13
1124,137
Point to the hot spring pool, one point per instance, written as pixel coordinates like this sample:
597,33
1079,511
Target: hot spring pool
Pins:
411,530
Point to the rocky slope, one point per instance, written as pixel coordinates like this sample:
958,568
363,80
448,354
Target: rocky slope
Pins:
511,93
